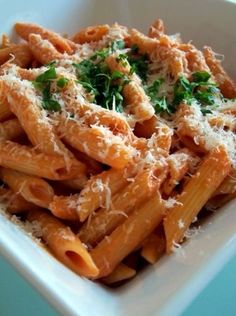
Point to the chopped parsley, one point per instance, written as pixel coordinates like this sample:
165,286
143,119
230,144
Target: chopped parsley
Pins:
201,76
43,84
105,52
105,86
199,89
138,62
160,103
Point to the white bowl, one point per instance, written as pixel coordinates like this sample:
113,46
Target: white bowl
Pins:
169,286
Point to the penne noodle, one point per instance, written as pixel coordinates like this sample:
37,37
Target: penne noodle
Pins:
26,106
163,50
98,191
62,207
90,113
126,237
120,273
146,128
63,45
196,192
27,160
19,54
107,219
33,189
224,121
195,58
137,102
226,84
161,139
179,164
116,64
189,130
42,50
145,44
71,251
96,142
91,34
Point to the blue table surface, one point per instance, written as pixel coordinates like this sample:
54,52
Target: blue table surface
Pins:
17,297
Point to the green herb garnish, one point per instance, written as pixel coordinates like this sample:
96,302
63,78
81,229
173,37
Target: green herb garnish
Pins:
139,65
200,89
201,76
105,52
48,75
160,103
43,84
105,86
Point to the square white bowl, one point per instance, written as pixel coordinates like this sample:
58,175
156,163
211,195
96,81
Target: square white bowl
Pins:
169,286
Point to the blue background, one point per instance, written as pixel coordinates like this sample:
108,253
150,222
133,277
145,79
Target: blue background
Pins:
17,297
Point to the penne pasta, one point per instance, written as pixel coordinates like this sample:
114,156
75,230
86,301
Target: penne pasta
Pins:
27,160
196,192
63,45
146,128
71,251
19,54
62,207
33,189
98,191
42,50
195,58
126,237
96,142
145,184
226,84
26,106
91,34
145,44
179,164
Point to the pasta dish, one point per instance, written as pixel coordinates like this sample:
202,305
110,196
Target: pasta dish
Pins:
112,142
